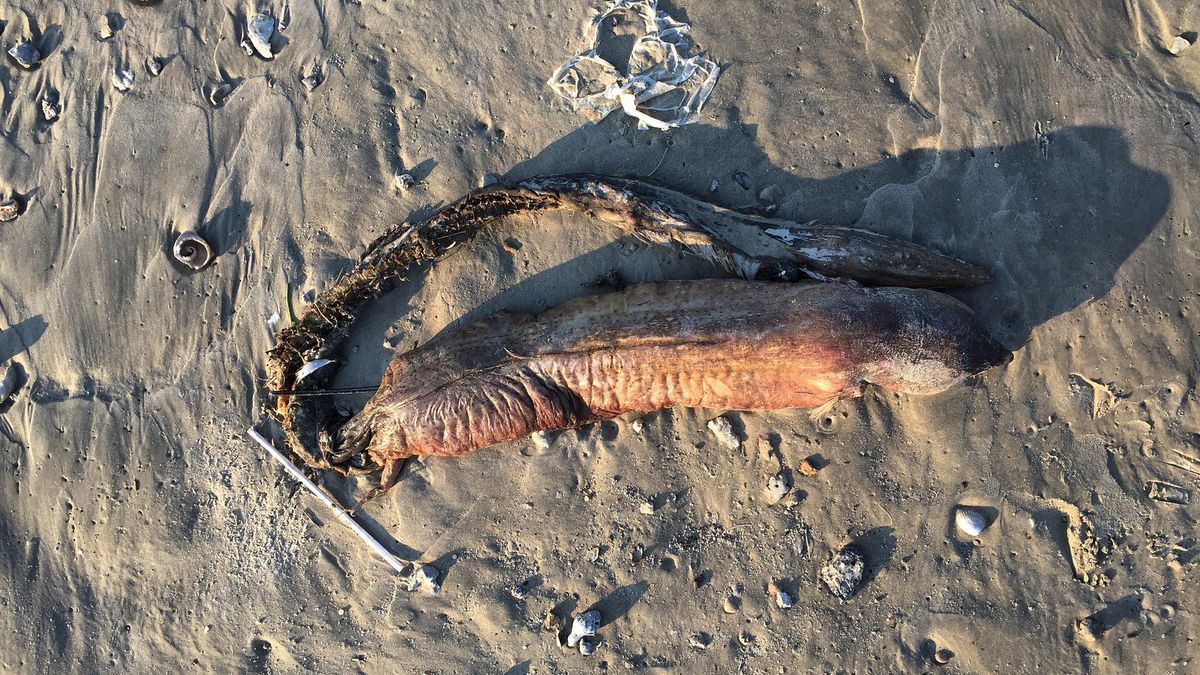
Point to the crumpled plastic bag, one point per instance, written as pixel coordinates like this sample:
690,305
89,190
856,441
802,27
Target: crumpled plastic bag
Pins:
641,61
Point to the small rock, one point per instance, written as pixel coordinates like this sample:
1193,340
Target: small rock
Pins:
311,82
25,53
122,78
587,646
722,429
807,467
712,187
778,486
943,656
646,509
9,210
844,573
743,179
403,181
638,426
700,641
8,385
154,65
971,521
1179,44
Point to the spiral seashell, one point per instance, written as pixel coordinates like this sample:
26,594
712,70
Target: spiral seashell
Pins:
192,250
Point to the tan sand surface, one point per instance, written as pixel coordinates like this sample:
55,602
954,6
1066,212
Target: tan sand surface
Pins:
142,531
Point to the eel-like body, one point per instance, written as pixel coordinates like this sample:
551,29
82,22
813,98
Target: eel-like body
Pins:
653,214
725,344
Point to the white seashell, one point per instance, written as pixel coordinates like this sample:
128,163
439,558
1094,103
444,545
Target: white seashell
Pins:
8,385
638,426
585,625
219,92
123,78
9,210
259,31
971,521
191,250
50,109
25,53
723,430
778,486
424,576
311,367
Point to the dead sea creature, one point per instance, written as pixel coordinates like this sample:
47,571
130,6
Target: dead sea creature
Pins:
652,213
9,210
844,574
259,31
716,343
26,54
192,250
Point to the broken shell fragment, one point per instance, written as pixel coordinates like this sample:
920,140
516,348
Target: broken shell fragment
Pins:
843,575
50,108
778,486
1161,491
585,625
403,181
972,522
587,647
722,429
782,599
122,78
154,65
425,576
219,92
9,210
25,53
259,30
192,250
1179,44
311,367
311,82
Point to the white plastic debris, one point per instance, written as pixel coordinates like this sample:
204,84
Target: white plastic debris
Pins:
585,625
662,81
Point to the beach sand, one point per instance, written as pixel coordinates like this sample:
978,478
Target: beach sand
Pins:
141,530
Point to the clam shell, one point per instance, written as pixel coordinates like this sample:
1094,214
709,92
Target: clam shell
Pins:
972,522
259,30
219,92
192,250
25,53
9,210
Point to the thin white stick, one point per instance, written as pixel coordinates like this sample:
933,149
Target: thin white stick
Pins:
342,514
